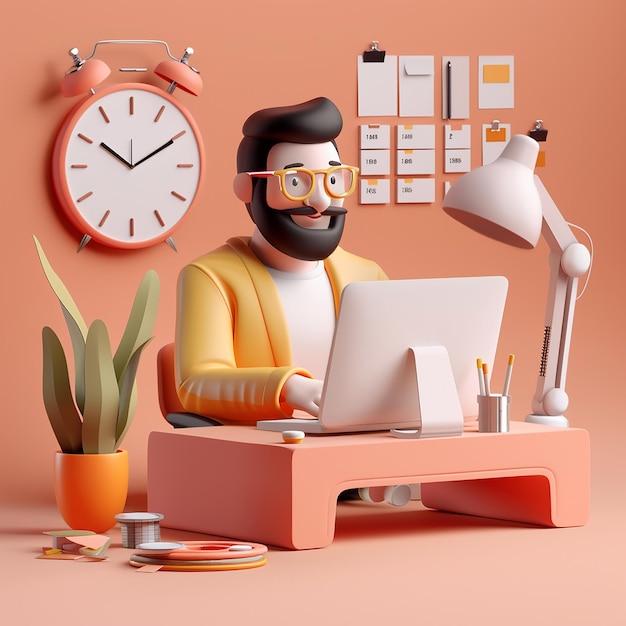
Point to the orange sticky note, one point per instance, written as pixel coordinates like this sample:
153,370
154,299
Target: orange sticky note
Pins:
541,159
93,542
496,73
149,569
59,556
495,135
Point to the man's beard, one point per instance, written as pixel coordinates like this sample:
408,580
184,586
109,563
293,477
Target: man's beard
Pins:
307,244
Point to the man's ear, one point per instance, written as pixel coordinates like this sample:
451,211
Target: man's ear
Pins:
242,186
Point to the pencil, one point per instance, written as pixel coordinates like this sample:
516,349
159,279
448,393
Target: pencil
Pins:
486,377
509,371
449,89
481,380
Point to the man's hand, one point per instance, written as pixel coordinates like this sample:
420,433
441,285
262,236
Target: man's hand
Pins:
303,393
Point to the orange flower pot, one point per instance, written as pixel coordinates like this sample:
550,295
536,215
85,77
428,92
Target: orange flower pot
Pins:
91,489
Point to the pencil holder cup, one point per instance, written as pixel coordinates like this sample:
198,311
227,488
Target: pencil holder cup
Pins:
493,413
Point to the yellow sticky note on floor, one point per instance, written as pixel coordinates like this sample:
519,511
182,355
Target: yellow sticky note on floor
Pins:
496,73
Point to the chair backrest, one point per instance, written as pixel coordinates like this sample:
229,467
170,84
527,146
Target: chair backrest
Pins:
168,398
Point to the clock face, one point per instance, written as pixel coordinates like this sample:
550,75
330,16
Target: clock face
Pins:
127,165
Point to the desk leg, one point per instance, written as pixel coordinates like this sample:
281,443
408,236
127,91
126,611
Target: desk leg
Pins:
546,482
518,498
239,491
534,499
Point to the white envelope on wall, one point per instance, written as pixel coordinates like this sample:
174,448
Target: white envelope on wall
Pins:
416,80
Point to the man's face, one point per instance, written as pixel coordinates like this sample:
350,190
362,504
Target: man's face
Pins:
307,229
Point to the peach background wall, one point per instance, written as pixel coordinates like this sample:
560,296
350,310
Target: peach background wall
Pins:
258,54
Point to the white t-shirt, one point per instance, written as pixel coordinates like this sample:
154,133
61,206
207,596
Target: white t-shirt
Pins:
308,303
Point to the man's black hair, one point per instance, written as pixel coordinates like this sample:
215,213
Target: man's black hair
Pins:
314,121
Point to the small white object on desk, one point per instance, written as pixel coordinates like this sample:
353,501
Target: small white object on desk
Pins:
293,436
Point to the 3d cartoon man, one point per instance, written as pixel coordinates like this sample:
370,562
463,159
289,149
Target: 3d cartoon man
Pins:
255,317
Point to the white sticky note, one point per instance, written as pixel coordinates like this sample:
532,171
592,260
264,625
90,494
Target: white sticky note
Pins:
375,162
377,87
457,138
415,162
415,190
375,136
496,79
374,191
457,161
415,136
416,84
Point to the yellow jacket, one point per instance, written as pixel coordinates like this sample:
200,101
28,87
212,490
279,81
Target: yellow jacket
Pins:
233,353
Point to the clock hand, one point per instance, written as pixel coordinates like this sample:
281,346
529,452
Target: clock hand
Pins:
116,155
165,145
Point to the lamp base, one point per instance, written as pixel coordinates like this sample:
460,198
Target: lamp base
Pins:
557,421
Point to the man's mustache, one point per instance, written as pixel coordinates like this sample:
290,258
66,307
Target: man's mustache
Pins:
309,210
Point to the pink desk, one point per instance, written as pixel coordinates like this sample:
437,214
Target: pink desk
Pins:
236,481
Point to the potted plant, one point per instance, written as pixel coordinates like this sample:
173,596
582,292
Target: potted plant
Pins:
91,417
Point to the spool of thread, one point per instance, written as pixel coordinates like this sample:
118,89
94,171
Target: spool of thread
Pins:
139,528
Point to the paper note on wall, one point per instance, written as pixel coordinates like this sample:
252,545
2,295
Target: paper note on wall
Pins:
457,161
457,138
374,191
375,162
415,137
377,87
375,136
415,190
416,80
415,162
494,141
496,76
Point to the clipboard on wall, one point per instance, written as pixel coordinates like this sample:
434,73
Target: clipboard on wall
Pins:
377,74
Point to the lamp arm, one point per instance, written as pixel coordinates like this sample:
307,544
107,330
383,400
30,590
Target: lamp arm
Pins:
568,260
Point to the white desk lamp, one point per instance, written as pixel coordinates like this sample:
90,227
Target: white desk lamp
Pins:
505,201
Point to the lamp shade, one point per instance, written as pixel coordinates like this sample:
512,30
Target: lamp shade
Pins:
500,200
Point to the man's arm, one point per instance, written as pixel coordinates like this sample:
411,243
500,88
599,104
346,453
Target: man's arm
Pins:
225,366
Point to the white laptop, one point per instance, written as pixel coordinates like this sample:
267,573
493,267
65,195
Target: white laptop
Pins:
371,380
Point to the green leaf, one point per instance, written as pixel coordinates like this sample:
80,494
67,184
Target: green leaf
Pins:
74,320
101,393
128,394
100,378
140,322
59,288
57,395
